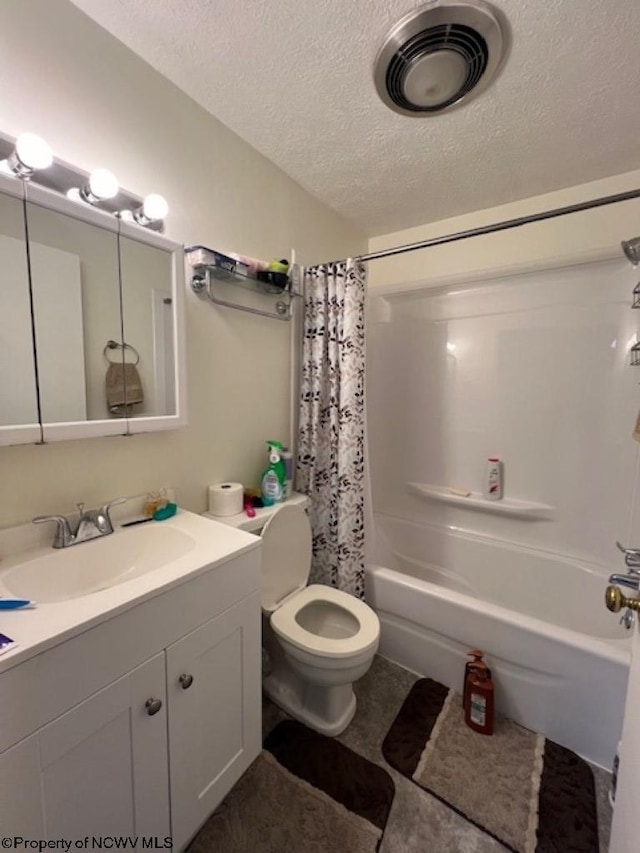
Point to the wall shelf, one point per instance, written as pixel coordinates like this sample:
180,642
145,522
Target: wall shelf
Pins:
211,269
475,501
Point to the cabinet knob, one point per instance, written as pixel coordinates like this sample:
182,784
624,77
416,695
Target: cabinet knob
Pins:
153,706
185,681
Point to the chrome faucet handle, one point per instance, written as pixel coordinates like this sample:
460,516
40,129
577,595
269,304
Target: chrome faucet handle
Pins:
104,514
628,551
631,558
63,535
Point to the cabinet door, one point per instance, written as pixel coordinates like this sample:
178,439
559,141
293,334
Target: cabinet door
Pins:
20,799
213,690
103,764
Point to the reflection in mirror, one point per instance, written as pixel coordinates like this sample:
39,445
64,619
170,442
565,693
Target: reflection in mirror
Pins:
76,300
18,394
148,322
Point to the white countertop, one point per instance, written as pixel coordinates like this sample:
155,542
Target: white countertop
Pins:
47,624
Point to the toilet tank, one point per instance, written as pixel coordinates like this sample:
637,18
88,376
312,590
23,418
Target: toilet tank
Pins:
255,525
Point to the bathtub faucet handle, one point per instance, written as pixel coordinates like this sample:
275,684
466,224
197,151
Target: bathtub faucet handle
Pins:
616,600
634,551
631,556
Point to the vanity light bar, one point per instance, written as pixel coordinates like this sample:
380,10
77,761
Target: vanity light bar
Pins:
29,153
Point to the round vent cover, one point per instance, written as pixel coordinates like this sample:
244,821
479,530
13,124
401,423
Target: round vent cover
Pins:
438,57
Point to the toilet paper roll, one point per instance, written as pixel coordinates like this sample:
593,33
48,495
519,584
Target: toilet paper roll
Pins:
225,498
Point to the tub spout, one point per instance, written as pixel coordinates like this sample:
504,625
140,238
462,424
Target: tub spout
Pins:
630,581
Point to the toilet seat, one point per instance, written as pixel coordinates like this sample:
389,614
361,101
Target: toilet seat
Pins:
286,563
285,624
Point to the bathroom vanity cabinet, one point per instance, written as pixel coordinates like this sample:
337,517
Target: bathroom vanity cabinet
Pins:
140,725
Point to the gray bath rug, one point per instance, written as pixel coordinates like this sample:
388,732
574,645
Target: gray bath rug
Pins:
527,792
305,792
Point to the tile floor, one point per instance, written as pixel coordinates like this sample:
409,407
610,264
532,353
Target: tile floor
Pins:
418,822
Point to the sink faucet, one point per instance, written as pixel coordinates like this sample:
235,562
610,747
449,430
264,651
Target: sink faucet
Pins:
91,524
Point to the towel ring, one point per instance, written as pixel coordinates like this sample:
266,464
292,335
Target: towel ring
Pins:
115,345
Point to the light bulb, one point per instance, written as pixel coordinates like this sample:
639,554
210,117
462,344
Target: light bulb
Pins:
30,153
74,194
103,184
154,207
33,152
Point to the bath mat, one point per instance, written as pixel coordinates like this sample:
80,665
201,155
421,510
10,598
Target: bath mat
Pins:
527,792
305,792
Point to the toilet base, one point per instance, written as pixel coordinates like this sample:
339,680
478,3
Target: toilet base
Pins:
327,710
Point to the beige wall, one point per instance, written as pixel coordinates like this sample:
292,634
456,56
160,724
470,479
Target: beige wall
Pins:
579,233
97,104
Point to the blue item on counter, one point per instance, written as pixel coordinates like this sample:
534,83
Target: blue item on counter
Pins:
166,511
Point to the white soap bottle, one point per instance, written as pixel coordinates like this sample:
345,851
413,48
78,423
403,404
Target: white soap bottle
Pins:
493,478
287,458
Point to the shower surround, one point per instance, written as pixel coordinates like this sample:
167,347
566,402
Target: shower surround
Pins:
533,368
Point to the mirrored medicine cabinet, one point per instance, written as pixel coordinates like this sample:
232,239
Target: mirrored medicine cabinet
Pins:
91,321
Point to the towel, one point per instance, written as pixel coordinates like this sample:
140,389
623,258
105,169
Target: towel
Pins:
123,387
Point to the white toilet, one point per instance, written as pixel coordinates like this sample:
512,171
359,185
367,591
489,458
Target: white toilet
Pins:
319,639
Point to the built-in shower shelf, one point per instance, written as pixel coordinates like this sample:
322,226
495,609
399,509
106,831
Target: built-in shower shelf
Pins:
475,501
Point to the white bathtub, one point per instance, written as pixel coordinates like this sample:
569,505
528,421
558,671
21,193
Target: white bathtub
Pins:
560,660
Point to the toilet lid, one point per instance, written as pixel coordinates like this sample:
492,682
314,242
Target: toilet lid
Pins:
286,555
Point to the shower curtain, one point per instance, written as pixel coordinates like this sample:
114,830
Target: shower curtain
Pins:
331,456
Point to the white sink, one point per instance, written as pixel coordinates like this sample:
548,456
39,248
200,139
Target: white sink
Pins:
59,575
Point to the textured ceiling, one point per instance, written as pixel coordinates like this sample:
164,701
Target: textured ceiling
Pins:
294,79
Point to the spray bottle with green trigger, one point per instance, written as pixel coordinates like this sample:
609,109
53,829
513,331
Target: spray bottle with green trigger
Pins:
273,476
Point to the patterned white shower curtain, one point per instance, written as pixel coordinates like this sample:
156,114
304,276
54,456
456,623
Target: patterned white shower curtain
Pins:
331,456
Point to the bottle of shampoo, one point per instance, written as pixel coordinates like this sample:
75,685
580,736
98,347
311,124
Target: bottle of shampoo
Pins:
272,482
493,479
479,712
477,655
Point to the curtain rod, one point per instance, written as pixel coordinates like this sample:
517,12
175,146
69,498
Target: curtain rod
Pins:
500,226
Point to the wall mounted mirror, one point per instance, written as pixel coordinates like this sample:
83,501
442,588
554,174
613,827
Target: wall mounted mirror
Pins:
76,305
19,417
148,313
102,300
